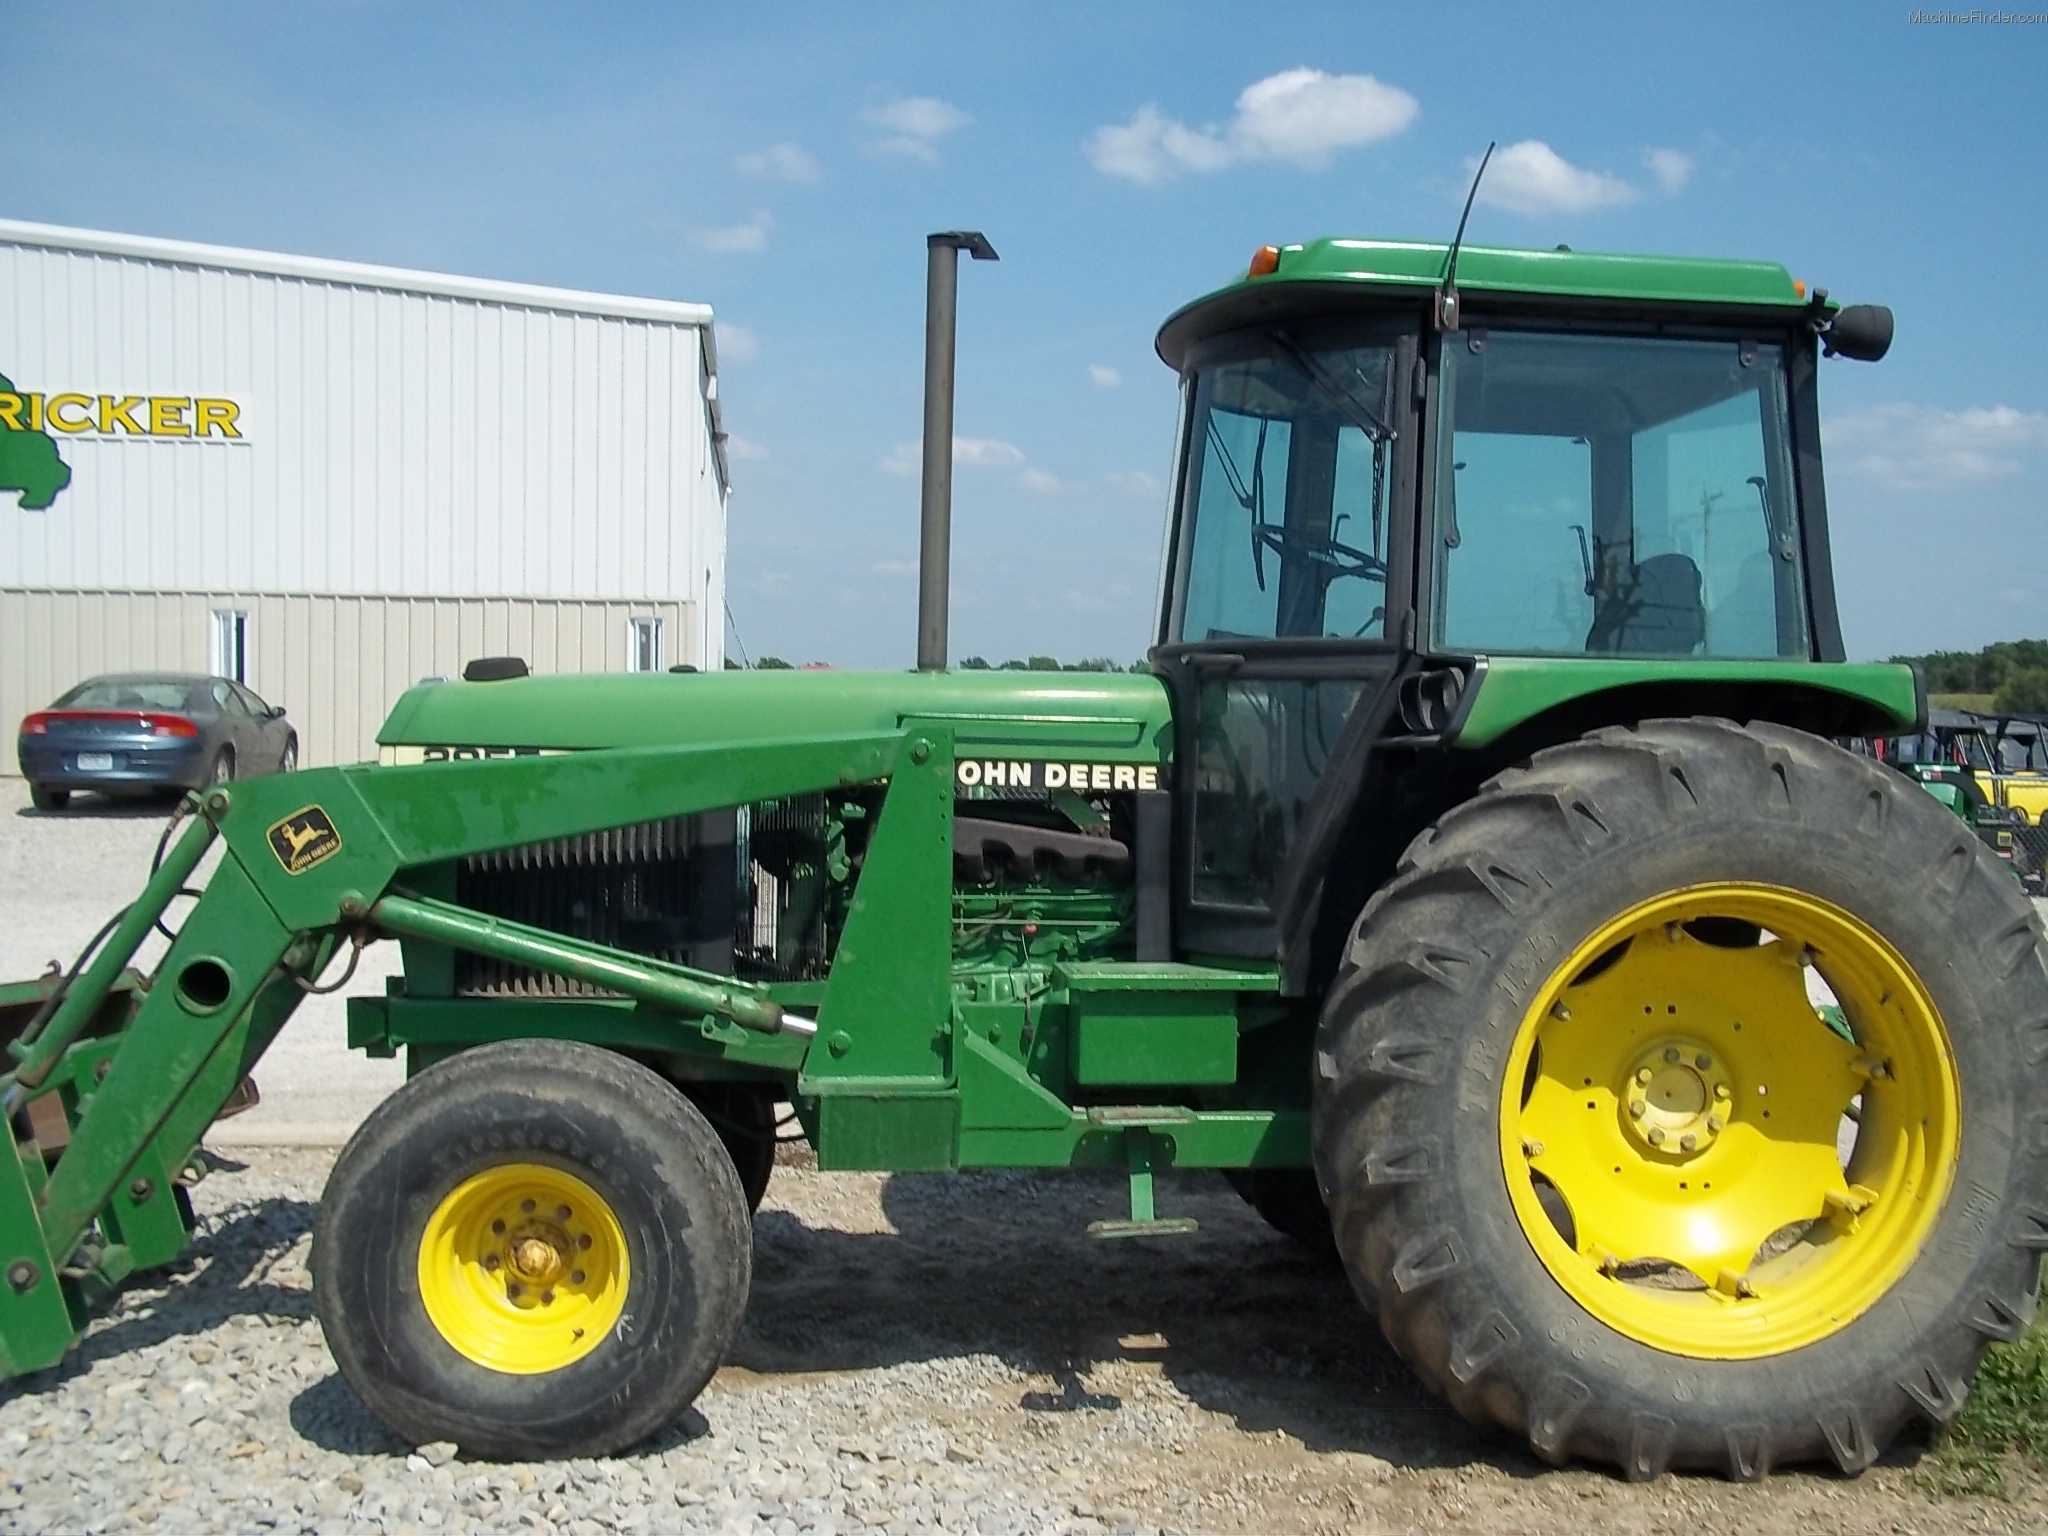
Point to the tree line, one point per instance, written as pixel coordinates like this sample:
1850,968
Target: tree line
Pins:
2014,673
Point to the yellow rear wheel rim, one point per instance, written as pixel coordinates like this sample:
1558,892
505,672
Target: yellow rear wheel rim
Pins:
523,1269
1705,1157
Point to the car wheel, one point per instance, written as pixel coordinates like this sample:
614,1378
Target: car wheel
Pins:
223,769
47,797
289,759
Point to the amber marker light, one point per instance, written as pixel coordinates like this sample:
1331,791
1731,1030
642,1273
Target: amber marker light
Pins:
1265,261
1799,286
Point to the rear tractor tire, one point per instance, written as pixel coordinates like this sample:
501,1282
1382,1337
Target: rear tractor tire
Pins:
1680,1106
534,1249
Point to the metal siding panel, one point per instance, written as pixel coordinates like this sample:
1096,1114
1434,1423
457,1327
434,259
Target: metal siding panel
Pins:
396,443
611,569
559,465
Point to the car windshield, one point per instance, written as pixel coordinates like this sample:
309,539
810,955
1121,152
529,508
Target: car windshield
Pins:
1283,509
129,693
1616,495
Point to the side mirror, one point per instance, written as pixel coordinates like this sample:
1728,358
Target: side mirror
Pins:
275,712
1862,332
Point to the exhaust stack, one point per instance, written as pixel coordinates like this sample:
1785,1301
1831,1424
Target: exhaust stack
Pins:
935,540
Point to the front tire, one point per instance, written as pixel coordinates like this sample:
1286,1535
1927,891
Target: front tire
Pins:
743,1114
1289,1202
535,1249
1588,1133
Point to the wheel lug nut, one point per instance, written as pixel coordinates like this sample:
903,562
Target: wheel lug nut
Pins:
526,1207
583,1243
1703,1061
575,1277
1531,1147
497,1229
1643,1076
1688,1142
512,1289
1636,1107
1656,1135
561,1213
1715,1124
1671,1053
491,1262
547,1298
1720,1090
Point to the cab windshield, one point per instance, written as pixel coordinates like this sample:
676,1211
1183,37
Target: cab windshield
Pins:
1283,511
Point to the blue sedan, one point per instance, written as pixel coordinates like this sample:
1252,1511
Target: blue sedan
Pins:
146,731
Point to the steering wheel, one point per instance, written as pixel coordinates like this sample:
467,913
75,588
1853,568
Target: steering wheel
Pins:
1336,560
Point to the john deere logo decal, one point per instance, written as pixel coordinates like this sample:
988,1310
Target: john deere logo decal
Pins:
303,839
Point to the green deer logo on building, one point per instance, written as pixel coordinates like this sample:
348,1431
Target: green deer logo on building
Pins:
29,464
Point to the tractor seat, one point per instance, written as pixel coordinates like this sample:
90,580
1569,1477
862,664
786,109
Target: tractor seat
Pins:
1654,610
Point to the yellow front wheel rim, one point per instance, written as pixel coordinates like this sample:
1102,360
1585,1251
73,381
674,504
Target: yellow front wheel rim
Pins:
1704,1151
523,1269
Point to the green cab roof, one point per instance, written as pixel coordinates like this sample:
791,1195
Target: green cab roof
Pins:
1342,266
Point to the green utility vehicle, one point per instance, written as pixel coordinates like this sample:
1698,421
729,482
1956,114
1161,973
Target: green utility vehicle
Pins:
1472,878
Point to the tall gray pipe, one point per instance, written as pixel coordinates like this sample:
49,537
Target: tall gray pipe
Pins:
935,540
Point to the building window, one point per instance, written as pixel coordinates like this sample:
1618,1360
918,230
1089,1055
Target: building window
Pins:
228,650
643,645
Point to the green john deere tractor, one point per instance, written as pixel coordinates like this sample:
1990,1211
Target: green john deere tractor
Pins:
1473,879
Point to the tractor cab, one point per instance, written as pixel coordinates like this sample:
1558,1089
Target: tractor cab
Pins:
1609,459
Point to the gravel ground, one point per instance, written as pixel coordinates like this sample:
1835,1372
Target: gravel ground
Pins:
62,876
922,1352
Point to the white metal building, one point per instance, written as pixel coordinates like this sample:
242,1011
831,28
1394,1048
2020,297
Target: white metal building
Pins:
330,480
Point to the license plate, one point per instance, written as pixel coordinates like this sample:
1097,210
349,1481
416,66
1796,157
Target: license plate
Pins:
95,762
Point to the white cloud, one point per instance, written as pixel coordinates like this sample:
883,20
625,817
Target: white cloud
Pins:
738,447
973,452
1531,177
986,453
1103,377
1135,482
781,162
737,344
1672,168
1301,116
1042,482
736,239
915,124
1927,446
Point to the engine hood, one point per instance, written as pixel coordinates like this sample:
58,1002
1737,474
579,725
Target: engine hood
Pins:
1113,717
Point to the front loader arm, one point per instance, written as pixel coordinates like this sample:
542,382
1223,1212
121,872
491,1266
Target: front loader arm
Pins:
311,862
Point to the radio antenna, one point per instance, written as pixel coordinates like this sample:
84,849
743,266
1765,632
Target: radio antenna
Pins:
1447,294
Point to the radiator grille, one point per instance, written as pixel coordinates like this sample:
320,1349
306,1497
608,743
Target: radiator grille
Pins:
660,888
744,892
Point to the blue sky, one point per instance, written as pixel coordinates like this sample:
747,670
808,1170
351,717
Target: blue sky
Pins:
782,161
